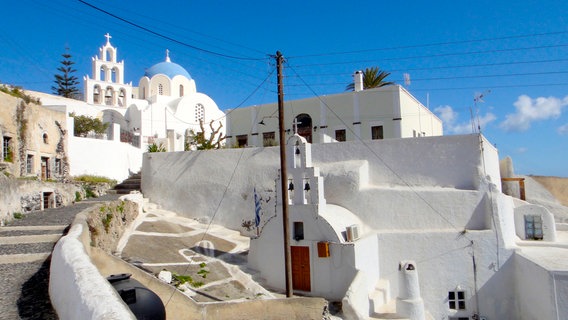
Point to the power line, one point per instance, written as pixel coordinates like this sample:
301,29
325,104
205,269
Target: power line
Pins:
438,55
167,37
456,77
448,67
382,160
412,46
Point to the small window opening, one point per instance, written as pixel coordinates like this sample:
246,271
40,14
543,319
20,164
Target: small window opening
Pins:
456,300
298,230
340,135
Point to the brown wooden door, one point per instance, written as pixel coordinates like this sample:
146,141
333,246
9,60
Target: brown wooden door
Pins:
301,268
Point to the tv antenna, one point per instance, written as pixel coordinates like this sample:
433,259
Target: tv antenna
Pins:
477,98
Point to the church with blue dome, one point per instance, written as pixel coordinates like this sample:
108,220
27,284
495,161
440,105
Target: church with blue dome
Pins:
163,109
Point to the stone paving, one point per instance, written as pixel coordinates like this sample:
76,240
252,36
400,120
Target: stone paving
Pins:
25,249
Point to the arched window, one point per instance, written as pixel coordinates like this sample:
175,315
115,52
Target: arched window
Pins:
160,89
109,93
113,75
102,75
97,95
181,90
122,98
304,123
45,138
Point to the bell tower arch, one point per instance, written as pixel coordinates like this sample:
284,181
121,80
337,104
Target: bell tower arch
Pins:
108,73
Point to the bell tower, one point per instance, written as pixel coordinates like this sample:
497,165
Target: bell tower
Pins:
107,87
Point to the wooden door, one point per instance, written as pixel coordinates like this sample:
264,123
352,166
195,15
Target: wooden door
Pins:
301,268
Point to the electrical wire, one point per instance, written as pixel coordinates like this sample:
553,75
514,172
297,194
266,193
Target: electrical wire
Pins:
376,155
167,37
413,46
437,55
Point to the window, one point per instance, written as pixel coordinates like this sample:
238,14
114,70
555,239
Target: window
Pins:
45,138
199,112
298,230
242,140
6,149
58,169
533,227
340,135
30,164
160,89
181,90
456,300
377,133
268,139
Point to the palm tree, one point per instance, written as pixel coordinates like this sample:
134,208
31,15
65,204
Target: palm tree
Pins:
372,78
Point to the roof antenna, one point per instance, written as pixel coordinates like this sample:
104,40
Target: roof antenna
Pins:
478,97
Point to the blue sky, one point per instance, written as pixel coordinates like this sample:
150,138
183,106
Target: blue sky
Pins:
516,55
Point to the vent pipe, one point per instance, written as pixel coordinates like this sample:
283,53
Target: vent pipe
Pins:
358,80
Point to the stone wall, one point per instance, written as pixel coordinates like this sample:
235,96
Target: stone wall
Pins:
21,196
108,222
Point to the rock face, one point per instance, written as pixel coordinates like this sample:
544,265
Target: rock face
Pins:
108,222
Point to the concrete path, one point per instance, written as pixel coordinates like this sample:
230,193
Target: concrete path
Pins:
25,249
213,256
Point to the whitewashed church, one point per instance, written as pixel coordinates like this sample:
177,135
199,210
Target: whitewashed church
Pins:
413,228
162,110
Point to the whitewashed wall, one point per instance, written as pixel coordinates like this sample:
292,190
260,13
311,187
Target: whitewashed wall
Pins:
219,183
107,158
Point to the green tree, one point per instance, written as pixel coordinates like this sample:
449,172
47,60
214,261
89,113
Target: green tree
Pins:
66,82
85,125
372,78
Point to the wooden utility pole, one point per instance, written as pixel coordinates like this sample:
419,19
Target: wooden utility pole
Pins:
284,177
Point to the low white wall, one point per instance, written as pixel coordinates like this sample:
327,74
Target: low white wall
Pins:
76,288
107,158
356,298
219,183
534,290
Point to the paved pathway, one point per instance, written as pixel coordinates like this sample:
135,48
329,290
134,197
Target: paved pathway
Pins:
25,249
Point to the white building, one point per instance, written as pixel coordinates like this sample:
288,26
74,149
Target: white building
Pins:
394,228
382,113
162,110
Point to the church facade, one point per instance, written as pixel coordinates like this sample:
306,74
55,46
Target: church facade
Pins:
163,110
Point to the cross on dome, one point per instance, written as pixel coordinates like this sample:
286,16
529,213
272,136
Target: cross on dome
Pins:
108,37
168,56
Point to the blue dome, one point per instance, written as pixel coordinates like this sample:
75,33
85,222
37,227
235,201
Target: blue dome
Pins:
169,69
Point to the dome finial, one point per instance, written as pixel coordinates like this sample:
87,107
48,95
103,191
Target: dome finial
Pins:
168,56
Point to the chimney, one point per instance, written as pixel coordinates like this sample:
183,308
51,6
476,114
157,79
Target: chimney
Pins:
358,80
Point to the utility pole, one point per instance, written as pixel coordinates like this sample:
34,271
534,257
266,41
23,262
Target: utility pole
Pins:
284,177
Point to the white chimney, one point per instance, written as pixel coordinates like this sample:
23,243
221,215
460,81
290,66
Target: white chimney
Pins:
358,80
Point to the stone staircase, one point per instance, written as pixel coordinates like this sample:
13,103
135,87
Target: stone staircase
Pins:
133,183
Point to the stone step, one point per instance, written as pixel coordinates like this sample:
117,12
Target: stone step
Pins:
23,257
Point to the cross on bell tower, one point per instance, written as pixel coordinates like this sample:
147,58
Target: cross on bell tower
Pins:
295,124
108,37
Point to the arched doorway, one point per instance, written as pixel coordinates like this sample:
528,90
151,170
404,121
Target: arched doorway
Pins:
304,123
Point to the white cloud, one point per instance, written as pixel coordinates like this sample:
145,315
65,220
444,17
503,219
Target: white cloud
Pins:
529,110
563,130
522,150
450,119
